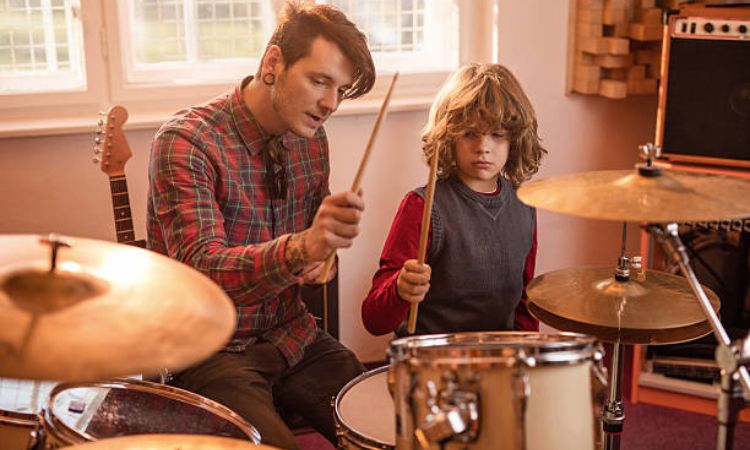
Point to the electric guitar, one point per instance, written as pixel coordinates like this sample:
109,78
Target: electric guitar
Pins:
112,151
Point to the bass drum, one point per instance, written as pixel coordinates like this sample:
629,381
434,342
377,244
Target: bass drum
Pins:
501,390
79,413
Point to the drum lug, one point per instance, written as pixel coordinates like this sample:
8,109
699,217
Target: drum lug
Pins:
454,411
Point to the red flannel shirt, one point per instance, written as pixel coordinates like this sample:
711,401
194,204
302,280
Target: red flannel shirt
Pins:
209,208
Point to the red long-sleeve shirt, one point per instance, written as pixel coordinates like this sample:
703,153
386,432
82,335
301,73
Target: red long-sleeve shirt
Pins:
383,310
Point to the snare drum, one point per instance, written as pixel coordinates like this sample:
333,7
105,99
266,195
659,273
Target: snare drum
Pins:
20,403
496,391
365,416
79,413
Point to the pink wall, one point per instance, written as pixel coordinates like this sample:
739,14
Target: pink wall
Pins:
49,184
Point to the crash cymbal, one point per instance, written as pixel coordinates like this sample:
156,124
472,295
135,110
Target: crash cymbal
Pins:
105,310
170,442
660,308
628,196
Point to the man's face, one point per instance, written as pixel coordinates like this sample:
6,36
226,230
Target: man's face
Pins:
307,93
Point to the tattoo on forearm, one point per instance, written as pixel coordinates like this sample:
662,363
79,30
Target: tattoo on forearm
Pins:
295,254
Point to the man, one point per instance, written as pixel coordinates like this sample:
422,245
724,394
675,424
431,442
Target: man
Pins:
239,190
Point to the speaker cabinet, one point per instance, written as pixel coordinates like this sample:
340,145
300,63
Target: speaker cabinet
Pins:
704,99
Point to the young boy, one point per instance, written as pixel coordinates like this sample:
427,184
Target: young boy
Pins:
482,241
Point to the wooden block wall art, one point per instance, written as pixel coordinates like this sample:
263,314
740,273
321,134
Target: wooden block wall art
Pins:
615,45
617,50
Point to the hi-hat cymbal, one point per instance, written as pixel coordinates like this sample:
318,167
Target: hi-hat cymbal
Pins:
658,309
170,442
628,196
106,310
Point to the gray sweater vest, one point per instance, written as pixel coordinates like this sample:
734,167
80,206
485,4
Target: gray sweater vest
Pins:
478,253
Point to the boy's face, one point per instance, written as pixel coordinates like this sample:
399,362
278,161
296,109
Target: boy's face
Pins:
481,157
309,91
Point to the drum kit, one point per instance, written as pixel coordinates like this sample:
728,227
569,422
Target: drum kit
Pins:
541,391
70,305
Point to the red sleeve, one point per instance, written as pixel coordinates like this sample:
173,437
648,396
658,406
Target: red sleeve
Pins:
383,310
524,321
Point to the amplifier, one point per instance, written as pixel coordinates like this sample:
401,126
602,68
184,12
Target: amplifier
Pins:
704,98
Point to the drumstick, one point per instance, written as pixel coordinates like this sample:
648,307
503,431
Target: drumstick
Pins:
355,187
424,234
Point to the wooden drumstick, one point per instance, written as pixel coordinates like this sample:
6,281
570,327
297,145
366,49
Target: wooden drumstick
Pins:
424,234
355,187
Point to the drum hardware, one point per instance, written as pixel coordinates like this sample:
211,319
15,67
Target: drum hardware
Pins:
453,411
731,357
146,311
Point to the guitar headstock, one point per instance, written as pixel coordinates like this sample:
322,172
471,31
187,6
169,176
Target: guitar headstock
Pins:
111,148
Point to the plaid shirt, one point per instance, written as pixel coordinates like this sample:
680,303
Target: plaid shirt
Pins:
209,208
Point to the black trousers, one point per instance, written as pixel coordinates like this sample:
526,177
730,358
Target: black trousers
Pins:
251,383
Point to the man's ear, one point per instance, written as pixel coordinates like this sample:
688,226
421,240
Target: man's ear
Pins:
273,61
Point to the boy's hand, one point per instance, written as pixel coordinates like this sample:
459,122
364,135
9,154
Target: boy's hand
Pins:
413,281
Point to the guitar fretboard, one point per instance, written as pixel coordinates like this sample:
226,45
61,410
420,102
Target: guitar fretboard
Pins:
121,207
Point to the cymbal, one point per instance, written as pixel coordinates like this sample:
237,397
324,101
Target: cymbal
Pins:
660,308
626,195
170,442
106,310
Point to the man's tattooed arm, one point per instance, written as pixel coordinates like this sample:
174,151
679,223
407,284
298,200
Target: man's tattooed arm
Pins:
295,254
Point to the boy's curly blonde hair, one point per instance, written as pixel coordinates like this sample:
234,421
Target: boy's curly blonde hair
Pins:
483,97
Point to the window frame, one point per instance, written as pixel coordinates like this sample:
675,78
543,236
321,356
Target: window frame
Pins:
150,104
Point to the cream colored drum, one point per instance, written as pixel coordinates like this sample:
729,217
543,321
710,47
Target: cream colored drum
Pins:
79,413
20,404
497,391
365,417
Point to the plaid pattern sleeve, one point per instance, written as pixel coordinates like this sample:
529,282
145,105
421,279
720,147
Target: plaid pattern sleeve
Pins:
209,207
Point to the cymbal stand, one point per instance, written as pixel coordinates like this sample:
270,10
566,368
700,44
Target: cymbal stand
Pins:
613,413
732,358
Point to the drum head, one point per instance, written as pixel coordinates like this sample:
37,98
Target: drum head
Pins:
364,407
128,407
501,347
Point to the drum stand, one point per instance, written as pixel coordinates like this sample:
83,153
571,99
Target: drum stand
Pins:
732,357
613,413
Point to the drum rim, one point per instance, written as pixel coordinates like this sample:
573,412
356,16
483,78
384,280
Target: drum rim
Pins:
18,418
500,347
340,419
62,430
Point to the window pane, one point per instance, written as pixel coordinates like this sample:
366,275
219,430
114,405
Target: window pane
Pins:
396,31
40,41
195,31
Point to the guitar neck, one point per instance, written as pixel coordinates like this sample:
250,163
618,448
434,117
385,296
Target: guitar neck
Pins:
118,184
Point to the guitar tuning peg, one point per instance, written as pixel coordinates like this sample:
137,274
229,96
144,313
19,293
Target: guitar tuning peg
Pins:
99,131
100,122
101,113
96,160
97,150
98,140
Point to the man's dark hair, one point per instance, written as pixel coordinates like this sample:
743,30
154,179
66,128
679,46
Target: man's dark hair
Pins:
299,25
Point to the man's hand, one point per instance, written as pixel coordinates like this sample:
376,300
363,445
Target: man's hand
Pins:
335,225
311,273
413,281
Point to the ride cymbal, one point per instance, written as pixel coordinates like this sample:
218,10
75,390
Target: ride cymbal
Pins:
629,196
170,442
660,308
105,310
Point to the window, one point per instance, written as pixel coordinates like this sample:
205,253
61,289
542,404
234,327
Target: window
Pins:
40,42
68,59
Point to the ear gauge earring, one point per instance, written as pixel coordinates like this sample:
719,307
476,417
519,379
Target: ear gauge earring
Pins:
269,78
